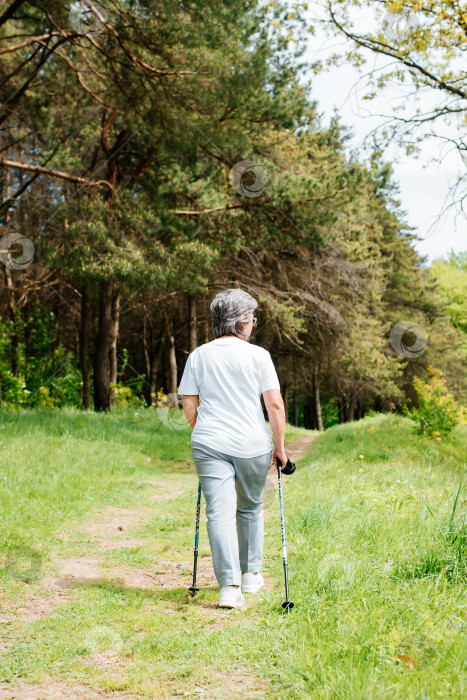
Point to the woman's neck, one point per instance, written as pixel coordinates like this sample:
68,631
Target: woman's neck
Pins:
229,336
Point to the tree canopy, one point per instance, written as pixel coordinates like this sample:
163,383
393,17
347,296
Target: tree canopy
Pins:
155,154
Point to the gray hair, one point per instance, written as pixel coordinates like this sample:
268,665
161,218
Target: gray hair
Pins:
229,309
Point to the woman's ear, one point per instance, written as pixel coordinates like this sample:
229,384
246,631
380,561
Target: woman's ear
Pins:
243,333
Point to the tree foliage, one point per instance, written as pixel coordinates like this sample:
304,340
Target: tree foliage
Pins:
425,45
121,149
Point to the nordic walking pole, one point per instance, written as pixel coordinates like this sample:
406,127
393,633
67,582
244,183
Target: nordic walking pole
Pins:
193,588
289,469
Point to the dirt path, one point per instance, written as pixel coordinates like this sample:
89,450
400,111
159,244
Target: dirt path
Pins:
294,450
57,690
109,532
105,534
298,447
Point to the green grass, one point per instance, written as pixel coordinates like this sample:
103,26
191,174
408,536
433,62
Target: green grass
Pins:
377,565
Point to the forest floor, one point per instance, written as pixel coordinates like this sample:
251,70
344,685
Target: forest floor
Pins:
97,520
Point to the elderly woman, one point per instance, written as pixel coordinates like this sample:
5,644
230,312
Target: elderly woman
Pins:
231,444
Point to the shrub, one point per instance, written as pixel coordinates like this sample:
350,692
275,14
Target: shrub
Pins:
437,410
330,413
13,388
125,396
43,377
45,399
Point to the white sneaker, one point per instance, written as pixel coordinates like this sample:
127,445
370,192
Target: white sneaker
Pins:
252,582
231,597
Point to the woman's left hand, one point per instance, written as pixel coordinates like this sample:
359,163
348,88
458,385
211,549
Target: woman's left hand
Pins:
279,454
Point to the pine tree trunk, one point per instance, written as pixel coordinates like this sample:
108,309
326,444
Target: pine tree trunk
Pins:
154,367
146,354
114,326
353,403
317,401
313,418
346,411
286,402
295,408
172,360
108,310
342,405
308,413
192,322
12,314
10,287
208,327
84,348
101,357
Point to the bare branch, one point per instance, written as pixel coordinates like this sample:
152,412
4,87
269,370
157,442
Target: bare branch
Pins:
27,42
380,47
199,212
53,173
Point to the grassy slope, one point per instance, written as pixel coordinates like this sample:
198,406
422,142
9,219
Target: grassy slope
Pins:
370,573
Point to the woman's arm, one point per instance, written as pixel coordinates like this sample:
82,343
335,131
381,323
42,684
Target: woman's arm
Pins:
190,404
276,414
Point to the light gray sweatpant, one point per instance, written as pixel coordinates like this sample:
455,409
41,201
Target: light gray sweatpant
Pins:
233,489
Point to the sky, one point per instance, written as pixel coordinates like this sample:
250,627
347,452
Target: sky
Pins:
424,185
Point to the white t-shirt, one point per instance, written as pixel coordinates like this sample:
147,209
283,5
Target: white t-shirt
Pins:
229,375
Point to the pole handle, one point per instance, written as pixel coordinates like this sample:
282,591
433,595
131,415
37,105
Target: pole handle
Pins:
289,468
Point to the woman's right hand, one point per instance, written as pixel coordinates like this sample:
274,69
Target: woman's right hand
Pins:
281,455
